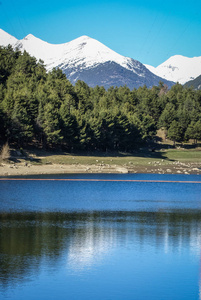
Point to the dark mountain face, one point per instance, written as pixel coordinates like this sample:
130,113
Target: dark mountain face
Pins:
195,83
112,74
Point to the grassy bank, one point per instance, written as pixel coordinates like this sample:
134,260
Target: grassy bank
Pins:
174,161
141,158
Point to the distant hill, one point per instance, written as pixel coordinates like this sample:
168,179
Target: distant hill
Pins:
196,83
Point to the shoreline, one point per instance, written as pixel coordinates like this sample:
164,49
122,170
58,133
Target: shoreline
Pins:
29,169
26,169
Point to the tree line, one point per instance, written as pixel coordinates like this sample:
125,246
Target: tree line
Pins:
44,109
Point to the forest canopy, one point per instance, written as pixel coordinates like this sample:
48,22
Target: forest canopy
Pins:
45,110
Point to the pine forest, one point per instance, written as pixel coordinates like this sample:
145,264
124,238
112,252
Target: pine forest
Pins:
44,110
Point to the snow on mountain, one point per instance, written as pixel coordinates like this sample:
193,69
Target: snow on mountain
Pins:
49,53
178,68
195,83
84,52
6,39
86,59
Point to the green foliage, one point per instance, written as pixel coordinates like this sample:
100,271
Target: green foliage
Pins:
46,110
68,125
167,116
175,132
8,59
51,125
3,135
194,131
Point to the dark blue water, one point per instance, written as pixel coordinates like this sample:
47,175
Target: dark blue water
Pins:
101,239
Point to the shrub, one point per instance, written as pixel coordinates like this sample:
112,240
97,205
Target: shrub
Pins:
5,152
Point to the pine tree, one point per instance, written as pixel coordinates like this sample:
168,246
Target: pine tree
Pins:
175,132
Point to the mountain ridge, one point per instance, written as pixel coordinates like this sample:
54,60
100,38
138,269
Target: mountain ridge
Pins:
6,38
85,57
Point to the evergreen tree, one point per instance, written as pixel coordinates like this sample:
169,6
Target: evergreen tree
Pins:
194,131
46,109
167,116
83,93
51,125
68,126
175,132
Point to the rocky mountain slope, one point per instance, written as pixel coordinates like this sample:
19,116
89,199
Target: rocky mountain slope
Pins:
195,83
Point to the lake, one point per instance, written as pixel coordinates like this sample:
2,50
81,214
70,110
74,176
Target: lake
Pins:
101,236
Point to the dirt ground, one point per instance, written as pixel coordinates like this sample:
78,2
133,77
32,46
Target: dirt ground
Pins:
24,168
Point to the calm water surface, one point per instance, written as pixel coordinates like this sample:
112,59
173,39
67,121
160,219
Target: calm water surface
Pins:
101,239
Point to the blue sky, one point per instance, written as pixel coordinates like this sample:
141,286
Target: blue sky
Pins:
148,30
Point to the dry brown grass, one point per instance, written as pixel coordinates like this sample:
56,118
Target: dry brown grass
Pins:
5,152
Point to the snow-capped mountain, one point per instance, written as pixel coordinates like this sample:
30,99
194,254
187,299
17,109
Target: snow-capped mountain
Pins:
178,68
6,39
83,52
87,59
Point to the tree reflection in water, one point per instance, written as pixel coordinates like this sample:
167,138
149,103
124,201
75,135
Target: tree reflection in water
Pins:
29,240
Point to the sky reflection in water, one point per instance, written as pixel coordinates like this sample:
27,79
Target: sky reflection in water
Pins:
99,240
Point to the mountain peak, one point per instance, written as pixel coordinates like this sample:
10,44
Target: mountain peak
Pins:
87,59
178,68
83,37
29,37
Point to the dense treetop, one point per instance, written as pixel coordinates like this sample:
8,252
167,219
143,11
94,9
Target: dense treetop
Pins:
46,110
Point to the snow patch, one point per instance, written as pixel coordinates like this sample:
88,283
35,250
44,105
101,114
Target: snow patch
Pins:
178,68
6,39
